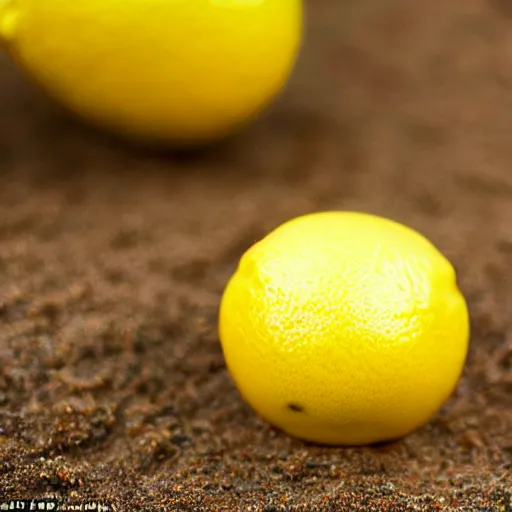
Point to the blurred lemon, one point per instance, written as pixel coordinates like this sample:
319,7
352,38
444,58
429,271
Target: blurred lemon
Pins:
186,71
344,328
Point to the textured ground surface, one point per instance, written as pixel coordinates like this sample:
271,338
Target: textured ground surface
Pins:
112,262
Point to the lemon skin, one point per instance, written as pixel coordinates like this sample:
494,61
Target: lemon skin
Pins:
183,72
344,328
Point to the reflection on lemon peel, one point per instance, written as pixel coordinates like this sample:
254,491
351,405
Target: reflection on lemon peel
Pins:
9,19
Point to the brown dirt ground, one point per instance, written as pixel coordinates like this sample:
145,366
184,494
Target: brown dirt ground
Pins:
112,261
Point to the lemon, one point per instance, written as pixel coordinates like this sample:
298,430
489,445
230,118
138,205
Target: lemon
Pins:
184,71
344,328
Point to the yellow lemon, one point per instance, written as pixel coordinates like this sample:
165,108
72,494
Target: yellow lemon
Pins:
344,328
186,71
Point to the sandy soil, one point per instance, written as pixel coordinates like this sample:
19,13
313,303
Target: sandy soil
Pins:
112,262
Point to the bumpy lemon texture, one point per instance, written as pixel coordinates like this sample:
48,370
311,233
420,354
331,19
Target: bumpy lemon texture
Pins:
180,70
344,328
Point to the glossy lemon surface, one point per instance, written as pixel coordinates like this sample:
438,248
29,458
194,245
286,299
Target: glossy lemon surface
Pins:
185,71
344,328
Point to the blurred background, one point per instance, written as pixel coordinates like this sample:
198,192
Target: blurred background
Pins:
113,260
